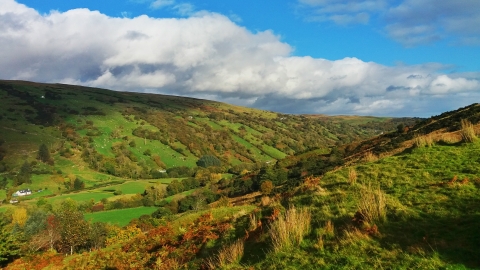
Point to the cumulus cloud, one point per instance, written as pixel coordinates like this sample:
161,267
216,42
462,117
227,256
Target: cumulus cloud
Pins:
209,56
410,22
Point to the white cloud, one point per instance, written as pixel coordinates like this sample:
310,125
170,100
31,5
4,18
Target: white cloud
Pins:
184,9
208,55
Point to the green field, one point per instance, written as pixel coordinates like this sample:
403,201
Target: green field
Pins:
82,197
119,217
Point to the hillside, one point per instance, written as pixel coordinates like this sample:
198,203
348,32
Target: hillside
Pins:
417,209
100,135
140,181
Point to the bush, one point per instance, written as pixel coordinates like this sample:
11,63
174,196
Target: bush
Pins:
117,192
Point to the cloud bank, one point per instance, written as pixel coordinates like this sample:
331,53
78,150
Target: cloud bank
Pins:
209,56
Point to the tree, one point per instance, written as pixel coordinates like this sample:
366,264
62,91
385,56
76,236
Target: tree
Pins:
25,174
208,160
74,230
78,184
35,223
43,153
98,235
19,216
9,245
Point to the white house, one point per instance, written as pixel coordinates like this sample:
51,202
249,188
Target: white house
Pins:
23,192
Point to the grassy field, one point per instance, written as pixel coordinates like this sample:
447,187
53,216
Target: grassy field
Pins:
82,197
120,217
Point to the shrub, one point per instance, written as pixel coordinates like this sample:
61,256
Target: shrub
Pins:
467,131
289,229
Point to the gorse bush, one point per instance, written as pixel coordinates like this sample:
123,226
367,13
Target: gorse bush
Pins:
289,229
467,131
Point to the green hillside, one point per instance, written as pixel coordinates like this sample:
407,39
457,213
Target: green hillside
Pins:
116,185
101,136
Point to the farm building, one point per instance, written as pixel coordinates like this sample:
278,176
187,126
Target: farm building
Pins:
23,192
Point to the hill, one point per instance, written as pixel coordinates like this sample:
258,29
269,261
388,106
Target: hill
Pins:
99,135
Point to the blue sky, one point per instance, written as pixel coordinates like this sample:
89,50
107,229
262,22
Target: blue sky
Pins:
367,57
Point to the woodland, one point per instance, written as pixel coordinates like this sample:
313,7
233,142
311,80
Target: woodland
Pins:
125,180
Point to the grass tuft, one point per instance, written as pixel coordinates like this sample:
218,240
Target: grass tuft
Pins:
372,204
352,176
289,229
423,141
227,255
370,157
468,131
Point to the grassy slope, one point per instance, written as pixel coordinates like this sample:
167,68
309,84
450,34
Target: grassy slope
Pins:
430,223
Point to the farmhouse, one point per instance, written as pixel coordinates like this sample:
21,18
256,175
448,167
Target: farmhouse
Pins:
23,192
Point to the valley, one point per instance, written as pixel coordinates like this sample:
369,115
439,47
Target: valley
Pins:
124,180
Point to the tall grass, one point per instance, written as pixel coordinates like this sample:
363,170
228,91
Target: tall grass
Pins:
425,140
467,131
289,229
370,157
227,255
352,176
372,204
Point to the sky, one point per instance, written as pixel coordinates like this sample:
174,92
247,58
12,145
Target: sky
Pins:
339,57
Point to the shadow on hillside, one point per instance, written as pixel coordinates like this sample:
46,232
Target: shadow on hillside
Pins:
455,238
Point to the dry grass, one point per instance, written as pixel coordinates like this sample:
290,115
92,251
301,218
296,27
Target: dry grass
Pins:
329,229
450,138
370,157
372,204
468,131
265,201
253,222
425,140
227,255
352,176
353,235
289,229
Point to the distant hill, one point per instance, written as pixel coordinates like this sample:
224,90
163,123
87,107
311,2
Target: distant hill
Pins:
137,135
